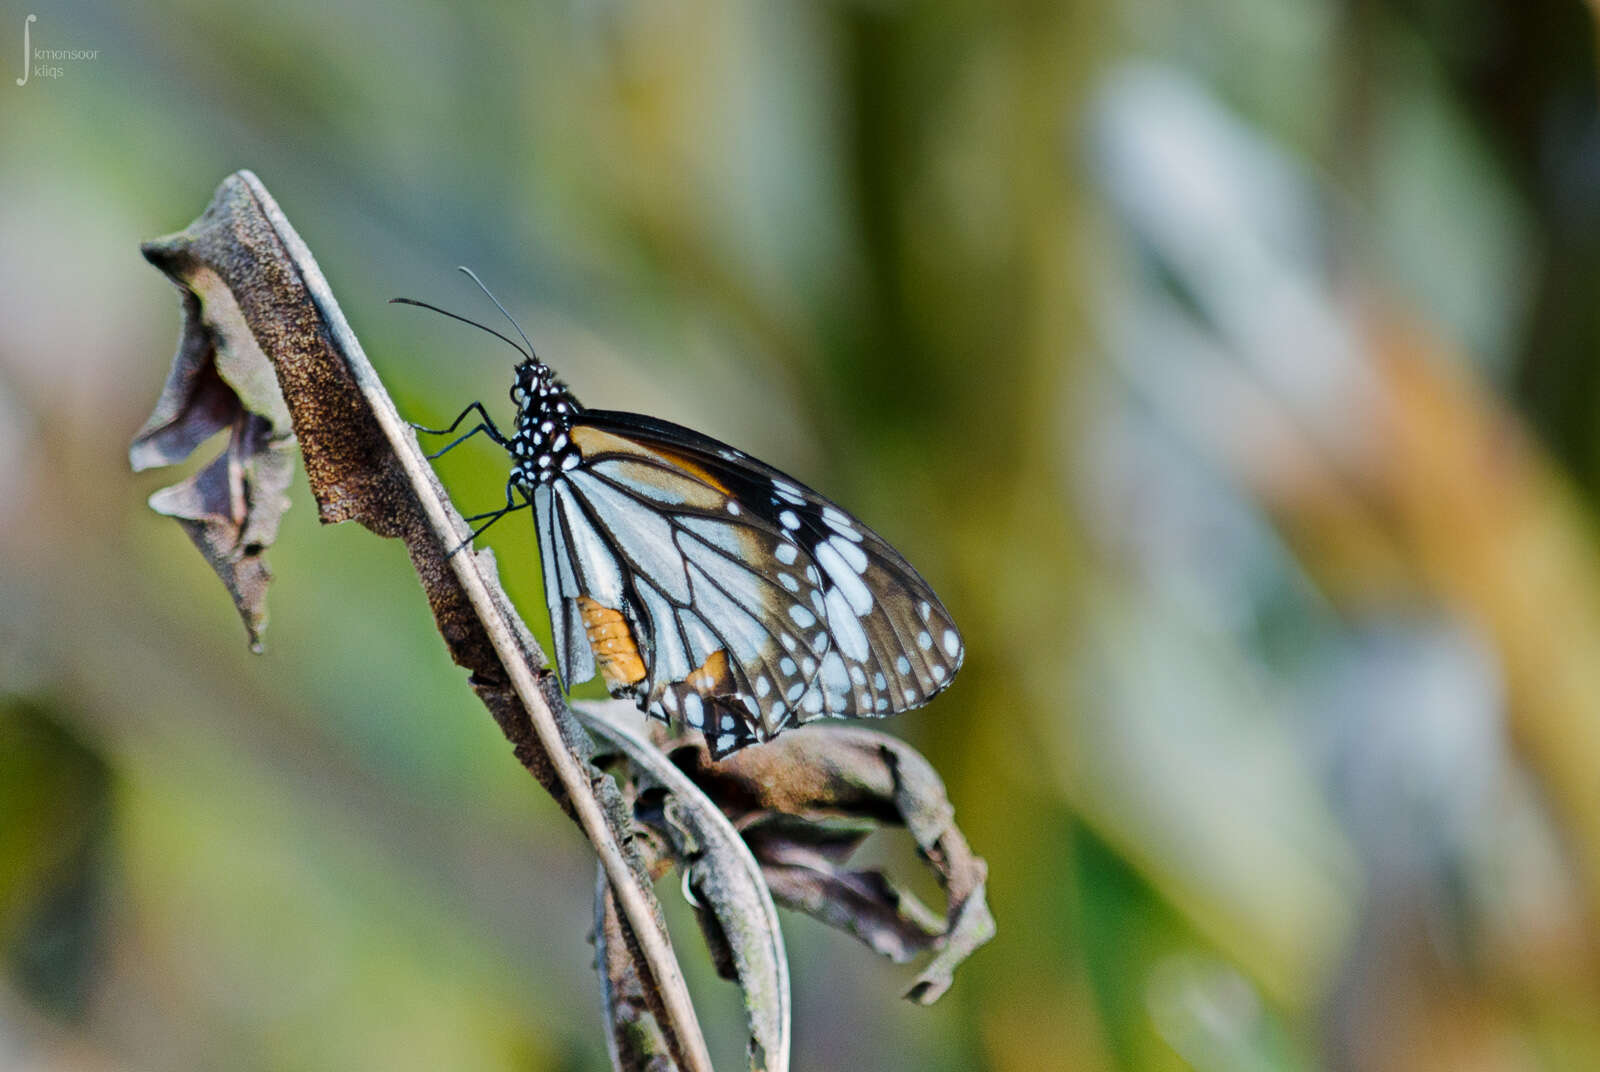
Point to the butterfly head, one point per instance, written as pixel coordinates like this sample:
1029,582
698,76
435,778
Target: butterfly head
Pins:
542,446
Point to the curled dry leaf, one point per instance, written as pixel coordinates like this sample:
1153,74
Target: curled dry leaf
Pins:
260,319
733,905
265,342
807,800
220,380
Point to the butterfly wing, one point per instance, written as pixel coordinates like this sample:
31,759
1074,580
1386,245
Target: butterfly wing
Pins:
718,589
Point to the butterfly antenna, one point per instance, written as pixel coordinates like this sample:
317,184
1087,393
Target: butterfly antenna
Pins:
465,320
474,277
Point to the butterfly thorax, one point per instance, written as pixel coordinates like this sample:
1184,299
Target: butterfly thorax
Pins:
542,447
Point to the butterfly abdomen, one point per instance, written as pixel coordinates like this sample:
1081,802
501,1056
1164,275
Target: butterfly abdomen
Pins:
615,650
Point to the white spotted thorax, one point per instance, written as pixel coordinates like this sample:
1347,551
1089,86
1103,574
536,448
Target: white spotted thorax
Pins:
542,445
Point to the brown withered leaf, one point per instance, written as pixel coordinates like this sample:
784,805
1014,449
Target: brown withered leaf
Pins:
805,801
730,896
261,319
634,1042
220,380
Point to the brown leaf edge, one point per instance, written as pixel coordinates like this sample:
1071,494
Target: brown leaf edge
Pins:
253,294
729,890
231,507
807,800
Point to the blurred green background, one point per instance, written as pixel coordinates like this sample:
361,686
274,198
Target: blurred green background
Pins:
1228,366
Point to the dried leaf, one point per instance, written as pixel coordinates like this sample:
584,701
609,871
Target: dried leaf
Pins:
736,910
195,404
259,301
864,904
220,380
634,1042
806,800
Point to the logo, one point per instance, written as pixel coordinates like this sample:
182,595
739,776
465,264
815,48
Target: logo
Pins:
43,62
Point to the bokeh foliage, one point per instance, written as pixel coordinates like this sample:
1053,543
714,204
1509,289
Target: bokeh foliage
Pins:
1228,366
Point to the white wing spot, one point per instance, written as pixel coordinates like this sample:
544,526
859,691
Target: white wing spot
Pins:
671,700
715,533
794,691
786,552
839,522
858,675
849,584
952,643
834,676
847,627
882,704
813,702
924,641
570,462
938,673
733,508
788,641
924,610
902,665
788,581
851,553
725,743
789,519
911,694
880,682
726,724
787,665
693,710
787,492
808,666
802,617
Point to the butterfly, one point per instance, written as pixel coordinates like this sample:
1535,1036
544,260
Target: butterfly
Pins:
714,590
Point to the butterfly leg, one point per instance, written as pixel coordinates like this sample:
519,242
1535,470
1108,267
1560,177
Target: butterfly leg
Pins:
511,506
486,426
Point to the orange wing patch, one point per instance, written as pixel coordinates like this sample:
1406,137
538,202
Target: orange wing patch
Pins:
592,442
711,678
614,647
692,468
708,700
